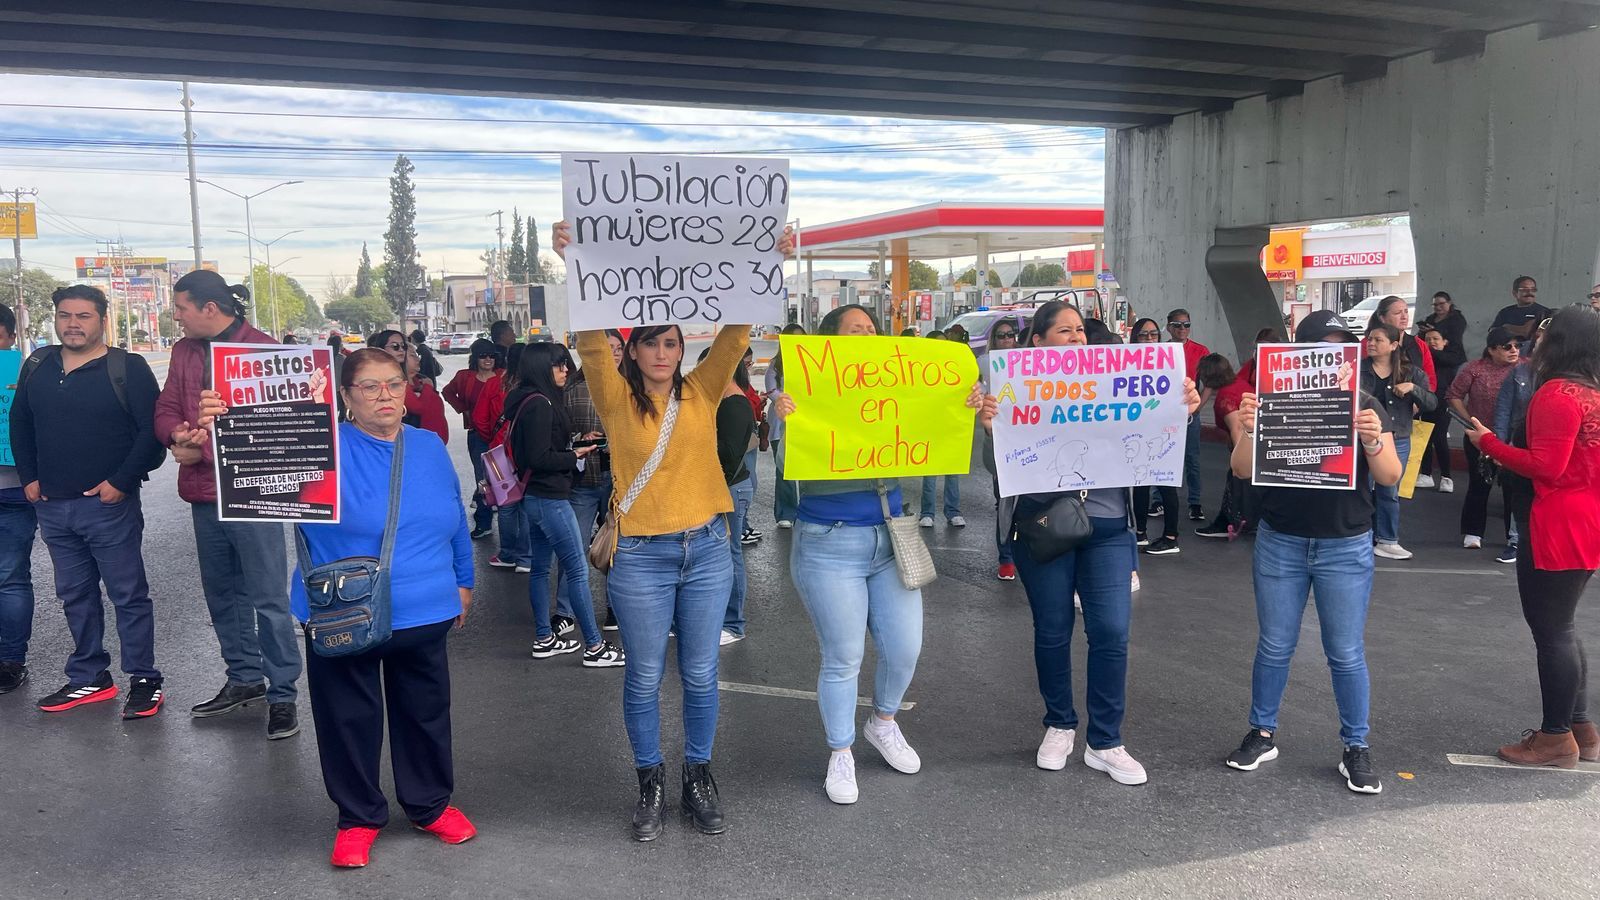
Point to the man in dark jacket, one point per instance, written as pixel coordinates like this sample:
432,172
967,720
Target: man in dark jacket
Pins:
82,434
243,565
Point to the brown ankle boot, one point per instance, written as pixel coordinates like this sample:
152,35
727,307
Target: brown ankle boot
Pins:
1588,737
1538,748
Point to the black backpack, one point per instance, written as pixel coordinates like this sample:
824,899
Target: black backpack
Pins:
116,369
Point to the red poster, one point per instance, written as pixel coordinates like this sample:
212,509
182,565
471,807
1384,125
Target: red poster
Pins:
277,449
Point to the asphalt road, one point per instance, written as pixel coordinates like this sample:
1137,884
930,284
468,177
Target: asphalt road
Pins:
173,807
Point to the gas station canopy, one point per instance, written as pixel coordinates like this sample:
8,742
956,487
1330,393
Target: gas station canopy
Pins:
948,230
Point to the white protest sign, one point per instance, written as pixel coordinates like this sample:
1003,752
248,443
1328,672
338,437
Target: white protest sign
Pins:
1076,417
691,240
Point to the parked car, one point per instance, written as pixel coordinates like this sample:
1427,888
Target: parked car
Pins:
1355,318
455,342
539,334
980,325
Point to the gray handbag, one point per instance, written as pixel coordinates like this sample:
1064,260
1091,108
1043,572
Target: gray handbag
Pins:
911,554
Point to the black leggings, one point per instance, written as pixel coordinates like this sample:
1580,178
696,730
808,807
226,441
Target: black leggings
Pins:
1550,604
1438,447
1169,503
1475,508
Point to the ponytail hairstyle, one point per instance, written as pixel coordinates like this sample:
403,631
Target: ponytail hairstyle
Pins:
205,286
634,376
1399,364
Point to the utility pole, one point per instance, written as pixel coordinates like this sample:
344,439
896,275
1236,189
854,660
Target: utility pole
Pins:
16,251
250,244
194,186
499,257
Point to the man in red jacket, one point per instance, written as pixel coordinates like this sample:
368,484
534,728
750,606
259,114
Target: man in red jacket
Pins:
243,565
1180,326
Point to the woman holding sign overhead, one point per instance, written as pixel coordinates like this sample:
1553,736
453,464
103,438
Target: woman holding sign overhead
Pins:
672,566
1099,570
844,567
1316,541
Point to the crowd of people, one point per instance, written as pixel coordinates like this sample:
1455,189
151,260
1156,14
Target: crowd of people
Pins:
628,466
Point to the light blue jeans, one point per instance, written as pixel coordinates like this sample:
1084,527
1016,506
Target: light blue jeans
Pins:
848,582
552,528
1386,509
744,493
1339,572
659,582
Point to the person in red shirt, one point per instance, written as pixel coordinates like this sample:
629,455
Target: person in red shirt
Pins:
483,366
1180,326
1553,568
424,409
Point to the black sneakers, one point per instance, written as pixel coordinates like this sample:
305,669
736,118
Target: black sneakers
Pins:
555,646
611,620
231,697
700,800
282,721
144,698
563,625
70,695
652,797
1256,749
1217,529
1356,767
1163,546
12,676
1196,514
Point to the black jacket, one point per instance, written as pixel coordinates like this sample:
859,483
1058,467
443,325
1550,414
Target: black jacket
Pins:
69,432
1401,410
541,444
1453,325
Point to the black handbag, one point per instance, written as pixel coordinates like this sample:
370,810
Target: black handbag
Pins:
1057,529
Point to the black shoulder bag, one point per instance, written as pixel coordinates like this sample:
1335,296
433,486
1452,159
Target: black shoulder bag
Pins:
1057,529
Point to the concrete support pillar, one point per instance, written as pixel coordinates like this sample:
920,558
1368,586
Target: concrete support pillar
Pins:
981,267
1248,304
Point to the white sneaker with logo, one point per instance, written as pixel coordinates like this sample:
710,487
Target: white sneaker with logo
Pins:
1116,762
841,781
1424,481
1446,486
1055,748
926,521
1392,551
892,744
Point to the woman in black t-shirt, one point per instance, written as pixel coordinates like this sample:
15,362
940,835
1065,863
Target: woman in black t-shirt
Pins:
1320,541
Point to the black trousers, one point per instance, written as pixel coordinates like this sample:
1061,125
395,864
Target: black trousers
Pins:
1475,508
1438,447
410,676
1169,503
1550,605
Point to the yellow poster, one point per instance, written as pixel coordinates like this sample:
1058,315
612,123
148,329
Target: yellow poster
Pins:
18,220
876,407
1420,433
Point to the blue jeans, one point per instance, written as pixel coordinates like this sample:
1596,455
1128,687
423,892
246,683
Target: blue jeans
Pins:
1339,571
1386,510
1191,461
1003,547
848,581
785,493
243,572
952,496
17,525
92,541
743,493
552,528
587,502
659,582
482,512
1100,570
513,534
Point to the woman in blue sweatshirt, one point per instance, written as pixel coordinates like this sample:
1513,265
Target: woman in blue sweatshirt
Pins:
430,588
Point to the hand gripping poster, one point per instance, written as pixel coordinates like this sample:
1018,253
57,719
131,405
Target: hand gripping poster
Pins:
277,449
1306,426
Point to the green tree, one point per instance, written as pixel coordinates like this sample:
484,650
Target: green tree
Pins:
363,274
359,315
517,256
923,277
538,272
970,277
1029,276
286,297
167,327
402,275
1050,275
37,286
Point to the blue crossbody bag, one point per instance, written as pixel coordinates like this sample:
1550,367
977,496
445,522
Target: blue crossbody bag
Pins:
349,598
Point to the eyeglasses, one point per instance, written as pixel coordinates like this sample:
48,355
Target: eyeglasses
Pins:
1178,325
1149,332
1511,346
1005,335
372,390
1595,296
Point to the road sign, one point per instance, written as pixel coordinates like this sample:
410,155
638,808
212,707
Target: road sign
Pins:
988,295
18,220
1107,276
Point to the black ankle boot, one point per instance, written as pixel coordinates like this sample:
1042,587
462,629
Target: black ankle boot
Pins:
652,797
700,798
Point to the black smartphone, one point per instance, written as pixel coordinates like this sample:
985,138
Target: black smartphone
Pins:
1465,422
590,442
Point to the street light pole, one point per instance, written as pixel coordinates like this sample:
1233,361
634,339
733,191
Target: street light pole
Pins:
272,281
250,249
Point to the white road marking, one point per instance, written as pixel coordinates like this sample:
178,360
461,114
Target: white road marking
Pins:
1396,570
765,691
1495,762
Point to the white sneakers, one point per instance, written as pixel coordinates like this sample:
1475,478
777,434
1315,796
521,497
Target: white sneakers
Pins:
1135,586
1471,542
1116,762
729,637
1446,486
886,737
958,521
1424,481
926,521
785,523
1055,748
841,780
1391,550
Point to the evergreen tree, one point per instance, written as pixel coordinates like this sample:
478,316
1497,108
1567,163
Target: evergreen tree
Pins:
537,274
363,274
402,275
517,256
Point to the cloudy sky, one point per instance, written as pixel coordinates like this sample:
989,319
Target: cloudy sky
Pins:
107,158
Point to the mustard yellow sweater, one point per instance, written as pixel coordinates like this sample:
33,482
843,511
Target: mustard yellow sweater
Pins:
688,488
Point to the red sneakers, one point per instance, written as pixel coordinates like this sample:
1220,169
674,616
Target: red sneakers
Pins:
451,827
1008,572
352,846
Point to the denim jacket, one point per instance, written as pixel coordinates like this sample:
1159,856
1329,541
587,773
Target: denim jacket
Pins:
1511,406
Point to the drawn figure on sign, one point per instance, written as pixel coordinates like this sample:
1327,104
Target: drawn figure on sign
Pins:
1068,464
1162,444
1130,447
1141,474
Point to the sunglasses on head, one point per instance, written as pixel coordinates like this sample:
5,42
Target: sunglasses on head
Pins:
1178,325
